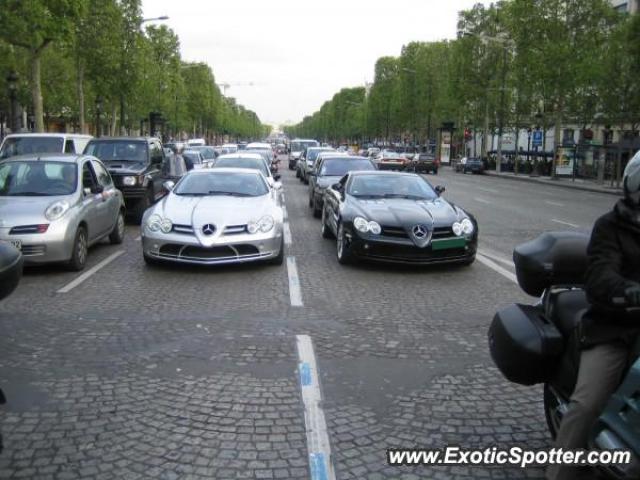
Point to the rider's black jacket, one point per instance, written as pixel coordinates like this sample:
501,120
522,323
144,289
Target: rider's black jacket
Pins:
614,264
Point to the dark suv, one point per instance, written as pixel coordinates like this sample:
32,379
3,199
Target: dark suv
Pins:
137,166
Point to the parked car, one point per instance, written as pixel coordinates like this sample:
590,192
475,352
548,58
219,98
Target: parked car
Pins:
236,219
472,164
11,262
138,168
330,167
396,217
388,160
54,207
307,160
28,143
425,162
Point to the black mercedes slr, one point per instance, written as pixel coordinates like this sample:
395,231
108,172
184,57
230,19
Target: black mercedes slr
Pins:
396,217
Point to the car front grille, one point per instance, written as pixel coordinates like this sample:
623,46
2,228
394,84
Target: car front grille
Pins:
229,230
409,254
209,255
24,229
399,232
182,228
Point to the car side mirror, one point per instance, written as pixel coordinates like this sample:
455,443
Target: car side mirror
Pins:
337,187
86,191
277,177
277,185
156,160
440,189
96,189
168,185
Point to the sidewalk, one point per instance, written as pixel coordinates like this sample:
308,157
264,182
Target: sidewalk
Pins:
578,184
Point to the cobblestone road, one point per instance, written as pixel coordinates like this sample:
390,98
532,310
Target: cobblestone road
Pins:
169,373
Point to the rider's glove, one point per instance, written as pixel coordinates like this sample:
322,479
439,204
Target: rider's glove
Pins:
632,295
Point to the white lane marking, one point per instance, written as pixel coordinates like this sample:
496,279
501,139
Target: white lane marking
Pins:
285,214
555,204
287,234
496,257
496,268
489,190
481,200
318,446
562,222
73,284
295,294
138,238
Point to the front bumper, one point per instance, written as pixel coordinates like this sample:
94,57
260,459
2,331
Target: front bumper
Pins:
55,245
237,248
387,250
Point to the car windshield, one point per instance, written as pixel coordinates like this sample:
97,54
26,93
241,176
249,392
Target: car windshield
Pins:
117,150
338,167
222,183
193,156
208,153
253,163
391,186
24,145
37,178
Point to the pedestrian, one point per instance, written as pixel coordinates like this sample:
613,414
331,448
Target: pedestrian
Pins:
607,336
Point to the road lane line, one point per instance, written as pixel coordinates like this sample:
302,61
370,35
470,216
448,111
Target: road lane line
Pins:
287,234
482,200
555,204
562,222
295,294
497,258
74,283
318,446
285,214
496,268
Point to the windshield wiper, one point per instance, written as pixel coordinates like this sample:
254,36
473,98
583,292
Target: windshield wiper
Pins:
401,195
192,194
233,194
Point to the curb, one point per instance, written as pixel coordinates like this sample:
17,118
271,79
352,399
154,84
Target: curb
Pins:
558,183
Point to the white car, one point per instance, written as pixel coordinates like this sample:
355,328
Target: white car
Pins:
32,143
215,216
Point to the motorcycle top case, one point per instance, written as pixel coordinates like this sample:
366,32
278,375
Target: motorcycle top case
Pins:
553,258
524,345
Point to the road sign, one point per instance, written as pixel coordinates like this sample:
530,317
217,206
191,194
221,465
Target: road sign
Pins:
536,140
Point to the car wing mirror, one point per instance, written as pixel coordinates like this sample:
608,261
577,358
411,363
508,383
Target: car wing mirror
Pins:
277,185
440,189
96,189
168,185
277,177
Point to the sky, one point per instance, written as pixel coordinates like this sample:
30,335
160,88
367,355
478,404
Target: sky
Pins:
287,57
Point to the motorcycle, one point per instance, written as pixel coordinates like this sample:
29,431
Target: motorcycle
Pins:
540,343
11,263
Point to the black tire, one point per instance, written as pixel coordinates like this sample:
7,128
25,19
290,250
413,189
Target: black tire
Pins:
435,171
324,229
116,237
280,258
343,249
80,251
297,172
550,411
144,203
317,211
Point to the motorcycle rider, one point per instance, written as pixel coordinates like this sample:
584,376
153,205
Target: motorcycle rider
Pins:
606,336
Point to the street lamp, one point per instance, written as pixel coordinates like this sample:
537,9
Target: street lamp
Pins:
98,113
163,17
12,83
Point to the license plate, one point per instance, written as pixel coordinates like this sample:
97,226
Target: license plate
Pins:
448,243
16,243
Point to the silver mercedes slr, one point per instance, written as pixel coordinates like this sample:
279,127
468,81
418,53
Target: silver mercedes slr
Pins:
215,216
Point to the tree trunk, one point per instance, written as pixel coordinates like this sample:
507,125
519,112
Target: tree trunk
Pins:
80,91
557,117
114,119
36,90
485,131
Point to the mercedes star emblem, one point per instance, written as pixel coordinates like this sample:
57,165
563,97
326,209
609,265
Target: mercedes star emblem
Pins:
208,229
420,231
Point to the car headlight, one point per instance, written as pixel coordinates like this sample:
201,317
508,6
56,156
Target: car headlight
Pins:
266,223
154,223
361,224
253,227
166,226
129,181
467,226
457,229
375,228
56,210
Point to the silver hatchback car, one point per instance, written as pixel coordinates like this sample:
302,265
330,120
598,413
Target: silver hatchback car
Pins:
53,207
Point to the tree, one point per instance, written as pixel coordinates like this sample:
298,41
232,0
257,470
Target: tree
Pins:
34,25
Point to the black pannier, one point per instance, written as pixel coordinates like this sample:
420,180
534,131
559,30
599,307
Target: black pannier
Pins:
553,258
524,345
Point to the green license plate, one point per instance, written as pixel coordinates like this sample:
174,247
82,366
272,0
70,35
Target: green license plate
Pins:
448,243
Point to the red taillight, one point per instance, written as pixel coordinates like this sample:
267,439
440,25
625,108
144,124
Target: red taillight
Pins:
42,228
